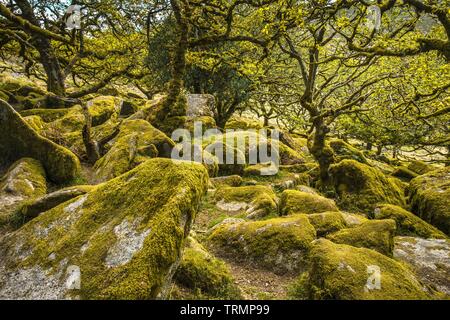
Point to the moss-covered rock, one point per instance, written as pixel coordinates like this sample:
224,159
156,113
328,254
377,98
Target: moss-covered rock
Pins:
407,223
49,115
124,237
24,181
360,187
18,140
279,244
294,201
200,270
327,222
243,123
230,181
373,234
344,150
343,272
104,108
404,173
429,259
257,201
420,167
35,122
429,198
33,208
136,142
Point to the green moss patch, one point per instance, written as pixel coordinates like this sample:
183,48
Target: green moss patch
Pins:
327,222
343,272
200,271
279,244
373,234
407,223
344,150
360,187
18,140
429,198
136,142
294,201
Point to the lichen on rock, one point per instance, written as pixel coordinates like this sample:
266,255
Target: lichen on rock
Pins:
150,208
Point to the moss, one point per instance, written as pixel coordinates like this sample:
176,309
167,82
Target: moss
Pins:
126,235
429,198
360,187
343,150
32,208
279,244
25,180
242,123
404,173
261,199
48,115
293,201
408,224
18,140
230,181
4,96
327,222
199,270
420,167
136,142
373,234
104,108
340,272
207,123
35,122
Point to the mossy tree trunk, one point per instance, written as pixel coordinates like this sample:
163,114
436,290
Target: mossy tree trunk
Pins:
322,153
47,56
175,106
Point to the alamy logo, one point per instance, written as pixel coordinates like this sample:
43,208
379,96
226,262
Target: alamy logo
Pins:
73,280
231,147
374,279
73,20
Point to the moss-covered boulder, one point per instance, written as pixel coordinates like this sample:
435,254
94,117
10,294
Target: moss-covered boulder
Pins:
429,259
408,224
243,123
279,244
343,272
257,201
18,140
344,150
373,234
327,222
35,122
420,167
429,198
294,201
122,240
34,207
404,173
136,142
360,187
230,181
200,270
24,181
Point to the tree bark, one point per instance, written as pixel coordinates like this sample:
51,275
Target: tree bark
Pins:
323,154
47,56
